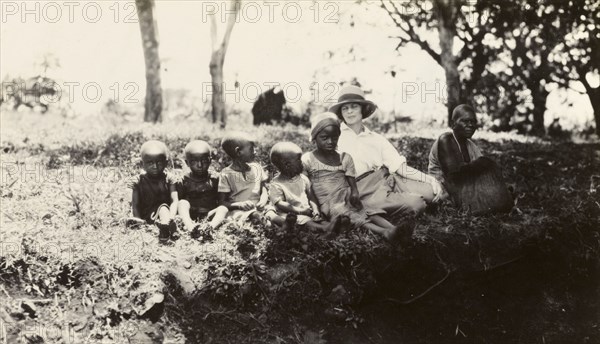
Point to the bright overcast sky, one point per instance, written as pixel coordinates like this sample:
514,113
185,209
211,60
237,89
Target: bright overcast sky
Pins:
272,43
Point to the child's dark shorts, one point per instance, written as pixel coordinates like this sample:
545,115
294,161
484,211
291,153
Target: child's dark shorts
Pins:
152,216
198,213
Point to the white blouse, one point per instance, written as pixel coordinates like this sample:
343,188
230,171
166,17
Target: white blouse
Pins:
369,150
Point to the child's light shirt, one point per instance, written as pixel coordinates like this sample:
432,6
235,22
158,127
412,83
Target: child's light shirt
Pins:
243,186
292,190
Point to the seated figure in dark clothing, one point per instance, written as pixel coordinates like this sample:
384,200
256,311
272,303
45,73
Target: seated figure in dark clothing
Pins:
267,109
472,181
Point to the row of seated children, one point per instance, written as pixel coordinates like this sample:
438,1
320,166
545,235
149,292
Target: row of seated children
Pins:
316,189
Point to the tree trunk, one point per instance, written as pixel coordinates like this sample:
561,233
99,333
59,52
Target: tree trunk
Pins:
447,15
594,94
219,115
539,109
148,28
217,60
597,118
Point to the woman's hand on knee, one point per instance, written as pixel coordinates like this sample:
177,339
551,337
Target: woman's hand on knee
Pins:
438,191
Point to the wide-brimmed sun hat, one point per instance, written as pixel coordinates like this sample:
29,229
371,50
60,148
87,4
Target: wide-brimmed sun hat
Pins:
353,94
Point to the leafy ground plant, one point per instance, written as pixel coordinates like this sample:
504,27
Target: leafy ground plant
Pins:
71,272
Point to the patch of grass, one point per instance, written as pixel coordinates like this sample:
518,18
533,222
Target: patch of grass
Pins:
69,263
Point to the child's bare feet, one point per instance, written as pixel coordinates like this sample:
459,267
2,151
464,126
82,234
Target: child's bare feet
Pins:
401,234
195,232
163,231
338,225
344,223
334,227
290,222
202,235
173,232
256,218
392,235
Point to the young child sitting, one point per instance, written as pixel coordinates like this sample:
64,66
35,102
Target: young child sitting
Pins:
333,181
153,192
198,196
290,192
241,184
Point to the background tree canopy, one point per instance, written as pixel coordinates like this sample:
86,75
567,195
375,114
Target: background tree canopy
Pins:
521,63
509,53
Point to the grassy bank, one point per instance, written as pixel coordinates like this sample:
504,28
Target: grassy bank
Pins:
71,272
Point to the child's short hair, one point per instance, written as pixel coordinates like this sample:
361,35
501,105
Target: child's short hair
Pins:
154,147
233,140
197,147
279,149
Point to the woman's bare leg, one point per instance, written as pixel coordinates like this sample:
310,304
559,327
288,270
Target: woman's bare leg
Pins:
400,233
385,232
383,227
381,222
326,227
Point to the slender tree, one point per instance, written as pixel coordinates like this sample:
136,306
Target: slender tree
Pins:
578,56
551,42
448,18
539,42
530,47
149,31
528,31
446,12
217,60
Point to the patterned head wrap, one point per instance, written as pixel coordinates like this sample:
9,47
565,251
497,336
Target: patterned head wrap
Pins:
322,121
